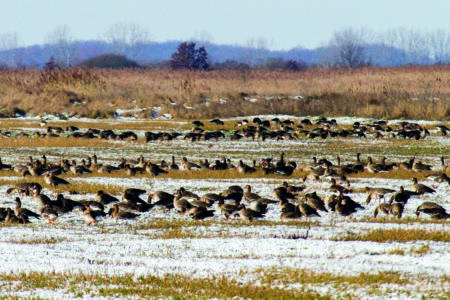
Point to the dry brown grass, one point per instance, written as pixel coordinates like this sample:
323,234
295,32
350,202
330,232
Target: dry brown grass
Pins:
408,92
399,235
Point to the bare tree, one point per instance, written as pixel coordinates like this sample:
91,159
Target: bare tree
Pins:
125,39
349,48
62,45
9,43
440,45
253,54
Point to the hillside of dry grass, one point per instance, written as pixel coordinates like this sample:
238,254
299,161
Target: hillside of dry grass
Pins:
408,92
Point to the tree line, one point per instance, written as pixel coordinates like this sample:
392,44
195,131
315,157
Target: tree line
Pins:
126,45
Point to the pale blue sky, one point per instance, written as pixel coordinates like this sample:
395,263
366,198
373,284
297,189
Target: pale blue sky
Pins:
284,24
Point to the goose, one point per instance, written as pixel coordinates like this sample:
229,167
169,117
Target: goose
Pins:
24,188
226,209
181,204
292,188
154,170
397,210
344,209
444,168
187,194
313,200
92,215
162,199
54,181
4,166
66,204
382,208
430,208
372,167
286,170
402,196
41,199
421,188
93,205
199,213
12,219
339,188
420,167
210,198
258,206
104,198
79,170
234,193
438,177
406,165
290,215
132,195
330,202
307,210
281,193
95,164
107,169
377,193
187,165
245,169
249,196
23,213
116,213
173,166
246,215
49,213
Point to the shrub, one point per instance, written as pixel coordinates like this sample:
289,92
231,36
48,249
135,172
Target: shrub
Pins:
109,61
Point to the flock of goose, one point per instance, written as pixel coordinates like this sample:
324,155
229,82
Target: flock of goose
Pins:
256,129
235,201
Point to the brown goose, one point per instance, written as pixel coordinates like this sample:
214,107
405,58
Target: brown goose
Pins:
430,208
210,198
281,193
330,202
421,188
154,170
12,219
23,213
24,188
233,192
292,188
173,166
50,213
382,208
290,215
132,195
187,165
181,204
41,199
420,167
249,196
245,169
79,170
258,206
116,213
162,199
438,177
199,213
92,215
372,167
188,194
307,210
313,200
245,214
350,207
226,209
339,188
54,181
397,210
406,165
104,198
376,192
402,196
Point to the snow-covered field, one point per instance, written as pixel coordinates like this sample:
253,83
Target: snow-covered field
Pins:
235,250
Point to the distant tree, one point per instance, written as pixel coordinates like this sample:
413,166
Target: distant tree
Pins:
125,39
9,43
349,48
50,65
295,65
188,57
109,61
62,45
230,64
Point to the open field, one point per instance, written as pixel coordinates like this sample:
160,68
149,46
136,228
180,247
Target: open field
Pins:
407,92
163,254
